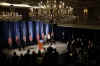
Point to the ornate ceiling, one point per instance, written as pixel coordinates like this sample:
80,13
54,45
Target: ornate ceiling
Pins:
66,19
74,3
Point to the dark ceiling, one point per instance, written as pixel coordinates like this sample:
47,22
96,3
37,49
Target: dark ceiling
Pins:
92,5
74,3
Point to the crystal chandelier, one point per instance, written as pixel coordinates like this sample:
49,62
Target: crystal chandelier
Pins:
53,10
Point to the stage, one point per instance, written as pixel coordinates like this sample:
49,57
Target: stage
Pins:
60,47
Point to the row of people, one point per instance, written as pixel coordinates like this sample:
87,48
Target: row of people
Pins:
28,58
78,51
81,49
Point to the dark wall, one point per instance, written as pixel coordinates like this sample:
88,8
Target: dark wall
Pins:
73,33
2,35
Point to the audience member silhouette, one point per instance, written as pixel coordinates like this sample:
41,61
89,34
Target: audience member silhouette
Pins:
21,59
15,58
27,57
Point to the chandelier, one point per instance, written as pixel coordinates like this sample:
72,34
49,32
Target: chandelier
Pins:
53,10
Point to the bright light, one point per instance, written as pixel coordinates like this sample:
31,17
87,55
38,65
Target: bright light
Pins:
35,7
85,10
60,6
63,3
42,6
54,6
21,5
41,2
18,5
5,4
70,8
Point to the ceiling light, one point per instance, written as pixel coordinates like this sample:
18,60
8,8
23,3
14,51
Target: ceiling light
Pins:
21,5
5,4
60,6
63,3
54,6
85,10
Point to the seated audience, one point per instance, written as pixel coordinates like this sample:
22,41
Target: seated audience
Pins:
15,58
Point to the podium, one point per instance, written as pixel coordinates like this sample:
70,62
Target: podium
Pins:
40,44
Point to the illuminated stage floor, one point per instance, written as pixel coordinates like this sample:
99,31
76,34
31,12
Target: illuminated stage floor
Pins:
61,48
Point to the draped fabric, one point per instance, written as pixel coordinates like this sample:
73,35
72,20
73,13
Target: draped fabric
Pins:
17,33
37,31
30,37
42,35
42,31
9,37
24,38
30,30
47,29
10,41
20,32
24,31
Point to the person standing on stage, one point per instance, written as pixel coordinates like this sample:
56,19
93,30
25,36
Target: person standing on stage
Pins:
48,38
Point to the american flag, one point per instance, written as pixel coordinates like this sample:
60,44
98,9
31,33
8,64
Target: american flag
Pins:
17,36
17,39
42,35
10,41
24,31
38,37
30,37
9,37
24,38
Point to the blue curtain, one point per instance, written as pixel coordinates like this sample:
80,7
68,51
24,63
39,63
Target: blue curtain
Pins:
47,29
24,29
30,24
